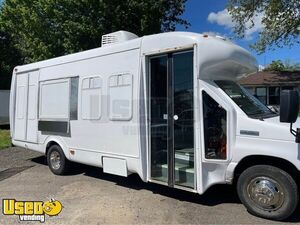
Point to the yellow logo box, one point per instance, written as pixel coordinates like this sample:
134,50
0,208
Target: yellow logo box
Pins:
13,207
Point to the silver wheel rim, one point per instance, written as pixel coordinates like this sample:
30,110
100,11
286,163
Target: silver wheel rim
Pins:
55,160
266,193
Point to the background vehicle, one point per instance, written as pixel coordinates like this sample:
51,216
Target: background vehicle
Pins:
124,106
4,107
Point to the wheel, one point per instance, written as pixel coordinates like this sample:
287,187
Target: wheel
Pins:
268,192
57,161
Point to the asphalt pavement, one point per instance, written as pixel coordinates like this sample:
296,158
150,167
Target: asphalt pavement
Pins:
90,196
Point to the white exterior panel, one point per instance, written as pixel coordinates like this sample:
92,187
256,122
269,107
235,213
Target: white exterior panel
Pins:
20,128
115,166
32,117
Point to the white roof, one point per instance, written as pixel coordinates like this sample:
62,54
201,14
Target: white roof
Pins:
214,53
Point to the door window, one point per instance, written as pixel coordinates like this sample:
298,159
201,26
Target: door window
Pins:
215,128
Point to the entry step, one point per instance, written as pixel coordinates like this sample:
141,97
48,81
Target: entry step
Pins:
184,155
184,174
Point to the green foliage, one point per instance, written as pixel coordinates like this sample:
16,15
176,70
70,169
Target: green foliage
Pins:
278,65
281,21
9,57
42,29
291,66
4,139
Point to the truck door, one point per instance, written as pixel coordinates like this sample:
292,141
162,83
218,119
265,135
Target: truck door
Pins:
217,123
26,107
172,119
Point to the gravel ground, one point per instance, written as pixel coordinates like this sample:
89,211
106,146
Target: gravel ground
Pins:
91,197
16,157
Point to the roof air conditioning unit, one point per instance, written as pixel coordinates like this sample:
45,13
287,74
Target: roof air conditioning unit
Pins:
117,37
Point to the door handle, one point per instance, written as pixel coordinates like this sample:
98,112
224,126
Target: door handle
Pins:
165,116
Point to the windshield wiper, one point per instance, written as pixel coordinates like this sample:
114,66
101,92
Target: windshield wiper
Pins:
263,115
256,113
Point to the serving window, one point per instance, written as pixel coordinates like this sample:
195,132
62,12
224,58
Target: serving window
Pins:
58,104
54,99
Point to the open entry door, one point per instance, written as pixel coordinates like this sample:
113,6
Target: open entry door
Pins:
172,119
26,107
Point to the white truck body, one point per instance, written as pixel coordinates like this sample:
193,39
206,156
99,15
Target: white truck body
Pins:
4,107
96,105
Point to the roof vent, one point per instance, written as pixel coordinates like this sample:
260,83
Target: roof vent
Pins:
117,37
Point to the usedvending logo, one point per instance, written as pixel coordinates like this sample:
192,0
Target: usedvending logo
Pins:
31,210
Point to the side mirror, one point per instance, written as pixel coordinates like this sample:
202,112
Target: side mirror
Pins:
289,106
289,109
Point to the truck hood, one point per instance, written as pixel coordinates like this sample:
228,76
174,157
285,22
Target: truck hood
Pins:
270,128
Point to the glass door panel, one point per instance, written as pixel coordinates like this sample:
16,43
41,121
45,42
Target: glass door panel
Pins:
172,119
183,119
159,120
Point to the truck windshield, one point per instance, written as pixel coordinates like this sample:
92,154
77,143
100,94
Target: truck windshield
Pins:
246,101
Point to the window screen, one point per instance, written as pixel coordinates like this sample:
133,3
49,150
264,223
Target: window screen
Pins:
120,97
91,98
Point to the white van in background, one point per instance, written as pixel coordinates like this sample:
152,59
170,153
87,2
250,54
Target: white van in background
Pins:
4,107
166,107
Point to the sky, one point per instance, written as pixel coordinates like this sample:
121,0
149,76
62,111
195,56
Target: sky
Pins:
212,16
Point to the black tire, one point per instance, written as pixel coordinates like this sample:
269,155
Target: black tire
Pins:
64,163
274,182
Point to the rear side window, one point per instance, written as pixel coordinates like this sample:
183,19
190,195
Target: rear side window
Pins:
120,97
91,89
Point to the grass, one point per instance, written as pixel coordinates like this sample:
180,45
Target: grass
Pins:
5,140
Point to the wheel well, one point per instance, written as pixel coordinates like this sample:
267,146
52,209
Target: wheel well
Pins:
266,160
51,143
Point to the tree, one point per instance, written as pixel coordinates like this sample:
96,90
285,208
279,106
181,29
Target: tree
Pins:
280,20
289,66
42,29
276,65
279,66
9,57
